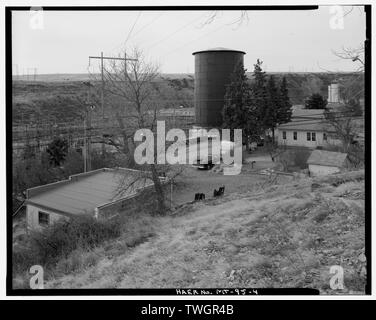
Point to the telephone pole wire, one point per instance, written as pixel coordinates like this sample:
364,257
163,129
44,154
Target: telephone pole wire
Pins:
125,59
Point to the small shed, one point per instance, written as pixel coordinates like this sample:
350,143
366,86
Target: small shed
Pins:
102,193
322,162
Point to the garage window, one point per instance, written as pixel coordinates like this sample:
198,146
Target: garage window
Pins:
43,218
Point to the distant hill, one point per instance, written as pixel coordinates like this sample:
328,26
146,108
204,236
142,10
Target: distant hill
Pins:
36,99
58,77
61,77
55,77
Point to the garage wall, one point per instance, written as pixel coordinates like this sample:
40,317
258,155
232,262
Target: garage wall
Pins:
144,201
317,170
32,217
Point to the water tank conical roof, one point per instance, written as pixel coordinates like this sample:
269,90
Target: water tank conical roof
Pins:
218,49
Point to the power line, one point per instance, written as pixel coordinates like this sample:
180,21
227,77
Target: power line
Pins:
121,43
173,33
148,24
69,121
125,59
54,124
192,99
341,114
189,42
130,32
91,129
68,124
91,136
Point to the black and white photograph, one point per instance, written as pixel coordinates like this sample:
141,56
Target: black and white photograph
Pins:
188,151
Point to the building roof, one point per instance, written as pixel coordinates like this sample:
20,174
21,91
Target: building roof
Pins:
84,192
307,120
177,111
327,158
218,49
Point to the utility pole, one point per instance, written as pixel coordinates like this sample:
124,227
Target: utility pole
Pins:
88,144
87,132
125,59
15,73
29,74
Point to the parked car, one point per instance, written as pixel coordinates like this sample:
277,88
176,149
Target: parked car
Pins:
211,156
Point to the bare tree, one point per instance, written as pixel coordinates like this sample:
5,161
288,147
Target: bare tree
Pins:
213,15
344,124
352,88
131,83
353,54
275,150
346,129
344,121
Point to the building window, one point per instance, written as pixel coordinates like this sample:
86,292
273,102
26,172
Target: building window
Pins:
308,136
325,137
284,135
295,136
43,218
313,136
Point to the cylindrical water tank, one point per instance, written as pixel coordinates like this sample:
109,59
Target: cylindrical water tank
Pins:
334,92
213,69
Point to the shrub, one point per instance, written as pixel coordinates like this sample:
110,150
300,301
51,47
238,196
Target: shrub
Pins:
294,159
91,259
321,216
85,232
71,264
57,241
58,150
76,261
23,259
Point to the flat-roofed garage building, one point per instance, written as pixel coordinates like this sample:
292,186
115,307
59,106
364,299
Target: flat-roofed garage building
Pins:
102,193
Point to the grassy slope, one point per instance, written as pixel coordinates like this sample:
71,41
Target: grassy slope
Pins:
277,236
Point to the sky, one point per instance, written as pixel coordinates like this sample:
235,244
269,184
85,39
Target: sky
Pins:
295,41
